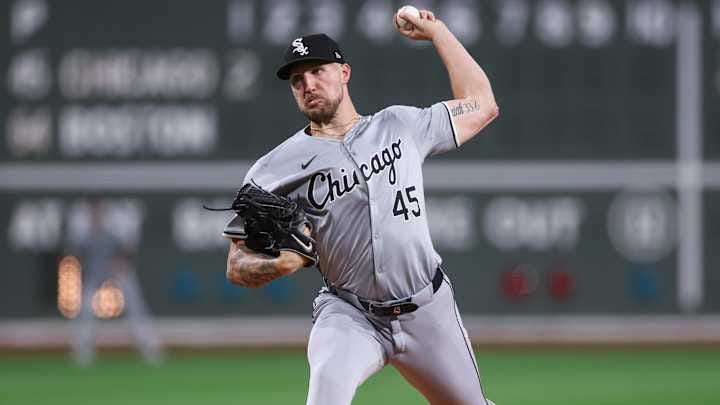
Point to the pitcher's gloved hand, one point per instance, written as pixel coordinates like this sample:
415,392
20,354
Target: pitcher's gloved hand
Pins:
270,223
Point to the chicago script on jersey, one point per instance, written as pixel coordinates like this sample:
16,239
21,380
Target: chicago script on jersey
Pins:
329,189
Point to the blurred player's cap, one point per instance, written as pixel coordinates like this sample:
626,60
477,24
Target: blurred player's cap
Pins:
318,47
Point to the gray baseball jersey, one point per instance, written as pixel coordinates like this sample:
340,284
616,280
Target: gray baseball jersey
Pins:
365,197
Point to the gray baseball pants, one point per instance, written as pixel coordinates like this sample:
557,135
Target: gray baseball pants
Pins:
429,347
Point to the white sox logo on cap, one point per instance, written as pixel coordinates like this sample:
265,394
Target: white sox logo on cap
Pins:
312,47
299,47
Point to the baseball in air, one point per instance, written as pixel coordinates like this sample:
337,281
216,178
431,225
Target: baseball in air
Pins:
403,23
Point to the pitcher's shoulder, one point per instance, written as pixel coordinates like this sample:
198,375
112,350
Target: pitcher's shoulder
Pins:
289,146
274,160
402,113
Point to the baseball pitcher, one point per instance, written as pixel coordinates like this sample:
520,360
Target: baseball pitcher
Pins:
345,194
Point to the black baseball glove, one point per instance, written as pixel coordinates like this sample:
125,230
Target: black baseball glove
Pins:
269,223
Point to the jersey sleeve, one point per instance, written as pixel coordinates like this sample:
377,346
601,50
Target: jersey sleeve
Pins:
259,175
432,127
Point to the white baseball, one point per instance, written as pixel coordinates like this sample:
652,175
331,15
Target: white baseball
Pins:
403,23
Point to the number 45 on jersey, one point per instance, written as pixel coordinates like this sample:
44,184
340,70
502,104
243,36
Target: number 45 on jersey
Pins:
400,208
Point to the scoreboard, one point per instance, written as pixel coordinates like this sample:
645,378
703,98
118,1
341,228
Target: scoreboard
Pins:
595,192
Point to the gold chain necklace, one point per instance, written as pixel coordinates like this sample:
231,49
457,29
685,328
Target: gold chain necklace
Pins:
324,130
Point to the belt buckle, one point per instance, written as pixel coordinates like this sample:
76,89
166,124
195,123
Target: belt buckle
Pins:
393,310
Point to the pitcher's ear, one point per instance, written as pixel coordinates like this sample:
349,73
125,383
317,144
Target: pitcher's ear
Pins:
346,72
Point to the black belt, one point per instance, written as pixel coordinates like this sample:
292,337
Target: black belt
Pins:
404,306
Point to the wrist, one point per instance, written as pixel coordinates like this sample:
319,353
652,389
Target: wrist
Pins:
289,261
441,31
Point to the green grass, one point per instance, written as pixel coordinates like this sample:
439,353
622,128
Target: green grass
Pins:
510,376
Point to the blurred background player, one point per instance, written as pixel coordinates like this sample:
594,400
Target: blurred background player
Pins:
107,264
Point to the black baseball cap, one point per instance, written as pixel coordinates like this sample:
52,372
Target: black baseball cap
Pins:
318,47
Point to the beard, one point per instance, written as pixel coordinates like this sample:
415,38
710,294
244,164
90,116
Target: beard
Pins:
324,112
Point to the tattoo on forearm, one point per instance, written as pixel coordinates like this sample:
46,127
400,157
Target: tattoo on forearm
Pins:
465,108
253,271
